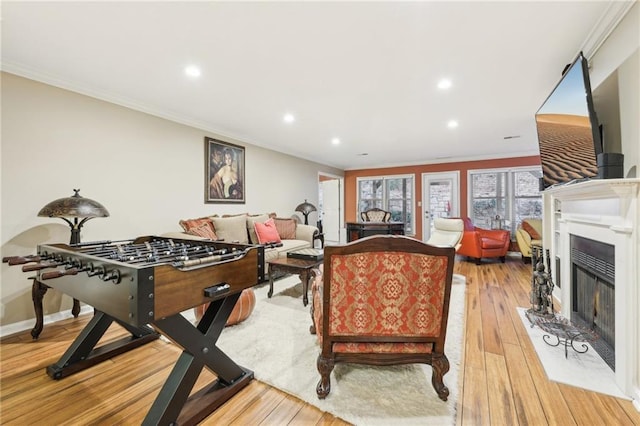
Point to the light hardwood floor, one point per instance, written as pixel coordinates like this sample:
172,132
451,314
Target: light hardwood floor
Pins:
502,381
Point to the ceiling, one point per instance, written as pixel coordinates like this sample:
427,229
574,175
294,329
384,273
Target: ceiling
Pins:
363,72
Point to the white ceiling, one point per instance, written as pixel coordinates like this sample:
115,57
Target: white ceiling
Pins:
365,72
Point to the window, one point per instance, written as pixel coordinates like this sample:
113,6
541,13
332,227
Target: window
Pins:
502,198
392,193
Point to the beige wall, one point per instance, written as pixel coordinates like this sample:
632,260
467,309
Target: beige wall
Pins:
147,171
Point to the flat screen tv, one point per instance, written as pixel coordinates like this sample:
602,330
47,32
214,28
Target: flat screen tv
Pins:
568,132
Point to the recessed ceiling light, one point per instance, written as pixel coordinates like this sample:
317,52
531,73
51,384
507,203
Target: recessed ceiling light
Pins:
444,84
452,124
192,71
288,118
335,141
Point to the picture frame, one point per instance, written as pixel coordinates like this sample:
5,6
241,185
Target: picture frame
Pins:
224,172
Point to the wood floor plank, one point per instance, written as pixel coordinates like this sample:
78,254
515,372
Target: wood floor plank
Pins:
490,325
527,404
501,405
475,402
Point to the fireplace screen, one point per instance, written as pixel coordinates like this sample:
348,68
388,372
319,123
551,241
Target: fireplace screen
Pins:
593,292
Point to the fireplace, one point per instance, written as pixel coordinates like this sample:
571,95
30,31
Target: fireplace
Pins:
592,230
593,292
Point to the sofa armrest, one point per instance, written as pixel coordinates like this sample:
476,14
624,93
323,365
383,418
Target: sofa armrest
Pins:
495,234
306,233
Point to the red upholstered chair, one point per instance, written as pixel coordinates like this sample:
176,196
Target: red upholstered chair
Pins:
478,242
383,300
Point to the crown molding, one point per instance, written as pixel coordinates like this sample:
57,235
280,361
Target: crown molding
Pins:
616,11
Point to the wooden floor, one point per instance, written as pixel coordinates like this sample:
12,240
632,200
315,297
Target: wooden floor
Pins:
502,381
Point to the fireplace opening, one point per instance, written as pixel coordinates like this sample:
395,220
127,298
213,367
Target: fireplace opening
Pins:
593,292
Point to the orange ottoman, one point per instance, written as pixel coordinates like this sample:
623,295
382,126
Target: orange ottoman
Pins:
241,311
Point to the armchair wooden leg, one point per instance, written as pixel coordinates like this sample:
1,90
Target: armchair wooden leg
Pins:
325,367
440,366
503,259
478,260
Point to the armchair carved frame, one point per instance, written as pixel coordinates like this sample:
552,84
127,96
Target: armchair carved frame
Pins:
363,286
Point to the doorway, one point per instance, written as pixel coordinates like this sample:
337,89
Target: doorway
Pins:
330,198
440,198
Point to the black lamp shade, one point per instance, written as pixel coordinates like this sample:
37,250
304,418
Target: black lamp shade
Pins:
74,207
306,208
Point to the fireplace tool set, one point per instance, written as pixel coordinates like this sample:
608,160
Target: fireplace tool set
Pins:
541,313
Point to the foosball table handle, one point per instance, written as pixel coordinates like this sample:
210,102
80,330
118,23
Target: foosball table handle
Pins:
217,290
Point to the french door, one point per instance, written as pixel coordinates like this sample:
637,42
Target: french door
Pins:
440,198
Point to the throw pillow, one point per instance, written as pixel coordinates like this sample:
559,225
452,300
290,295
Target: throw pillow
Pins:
531,231
267,232
231,229
187,224
286,228
205,230
202,227
251,220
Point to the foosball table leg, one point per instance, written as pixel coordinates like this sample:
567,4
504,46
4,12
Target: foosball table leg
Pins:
83,353
173,404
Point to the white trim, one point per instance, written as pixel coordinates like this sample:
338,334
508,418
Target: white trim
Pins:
616,11
17,327
411,176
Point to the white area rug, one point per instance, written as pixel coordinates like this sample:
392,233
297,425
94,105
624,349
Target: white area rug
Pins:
276,344
583,370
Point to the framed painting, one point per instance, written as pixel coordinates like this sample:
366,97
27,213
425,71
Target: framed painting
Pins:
224,172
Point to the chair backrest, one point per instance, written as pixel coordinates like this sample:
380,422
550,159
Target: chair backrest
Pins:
375,215
447,232
385,289
468,224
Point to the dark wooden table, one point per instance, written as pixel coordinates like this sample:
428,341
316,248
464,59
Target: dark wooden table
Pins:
300,267
357,230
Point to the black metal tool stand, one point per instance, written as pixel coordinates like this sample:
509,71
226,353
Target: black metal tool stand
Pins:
565,334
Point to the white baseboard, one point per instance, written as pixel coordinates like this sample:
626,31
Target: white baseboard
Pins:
17,327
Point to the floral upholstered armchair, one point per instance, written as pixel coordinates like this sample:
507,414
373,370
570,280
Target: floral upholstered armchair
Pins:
383,300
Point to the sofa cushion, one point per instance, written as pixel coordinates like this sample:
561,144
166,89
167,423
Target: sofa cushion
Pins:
267,232
251,220
231,229
290,245
286,228
535,235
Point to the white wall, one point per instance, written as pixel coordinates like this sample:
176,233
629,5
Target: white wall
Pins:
620,53
147,171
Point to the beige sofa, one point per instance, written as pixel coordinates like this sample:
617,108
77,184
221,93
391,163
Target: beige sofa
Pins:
529,233
240,229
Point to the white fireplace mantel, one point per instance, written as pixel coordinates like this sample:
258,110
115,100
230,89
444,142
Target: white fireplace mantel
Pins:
605,211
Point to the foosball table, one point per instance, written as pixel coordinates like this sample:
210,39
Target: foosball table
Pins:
144,284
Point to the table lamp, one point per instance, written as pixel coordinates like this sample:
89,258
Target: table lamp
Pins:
74,210
306,208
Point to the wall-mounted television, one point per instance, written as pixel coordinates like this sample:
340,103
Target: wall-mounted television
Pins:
568,132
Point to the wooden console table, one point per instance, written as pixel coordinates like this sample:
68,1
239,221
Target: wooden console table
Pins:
357,230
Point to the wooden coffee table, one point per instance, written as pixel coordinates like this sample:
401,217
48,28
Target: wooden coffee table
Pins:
300,267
